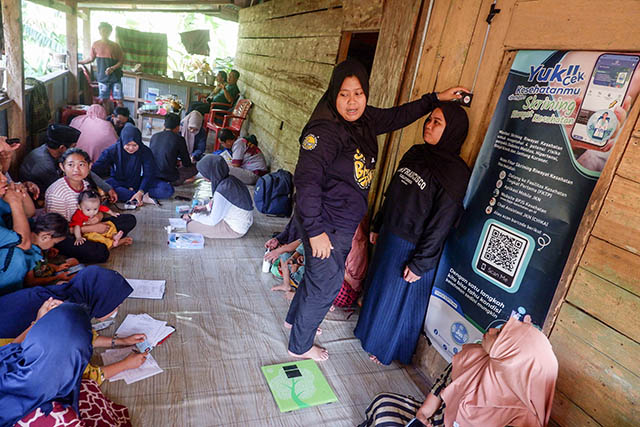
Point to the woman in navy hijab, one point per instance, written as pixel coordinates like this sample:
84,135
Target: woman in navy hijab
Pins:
47,366
99,289
132,168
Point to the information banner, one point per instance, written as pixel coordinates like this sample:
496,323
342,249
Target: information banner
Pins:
553,129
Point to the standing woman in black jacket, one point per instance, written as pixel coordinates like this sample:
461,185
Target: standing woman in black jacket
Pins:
422,204
338,151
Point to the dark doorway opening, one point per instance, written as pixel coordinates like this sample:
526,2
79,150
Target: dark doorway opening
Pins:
361,46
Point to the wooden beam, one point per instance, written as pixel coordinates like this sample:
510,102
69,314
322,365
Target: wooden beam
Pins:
72,52
157,3
57,5
12,19
86,35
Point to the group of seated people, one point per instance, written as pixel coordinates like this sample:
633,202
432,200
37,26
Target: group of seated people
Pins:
58,216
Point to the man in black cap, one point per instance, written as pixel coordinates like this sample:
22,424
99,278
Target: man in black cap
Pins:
40,166
170,153
120,117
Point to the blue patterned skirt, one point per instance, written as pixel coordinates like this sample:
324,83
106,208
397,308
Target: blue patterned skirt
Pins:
393,311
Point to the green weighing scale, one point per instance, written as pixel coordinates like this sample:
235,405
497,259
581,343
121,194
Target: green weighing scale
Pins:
297,385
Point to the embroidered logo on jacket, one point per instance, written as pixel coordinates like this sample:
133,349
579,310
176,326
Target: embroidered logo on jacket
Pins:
309,142
361,173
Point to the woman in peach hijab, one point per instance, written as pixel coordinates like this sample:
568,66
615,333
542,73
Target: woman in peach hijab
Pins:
96,132
507,380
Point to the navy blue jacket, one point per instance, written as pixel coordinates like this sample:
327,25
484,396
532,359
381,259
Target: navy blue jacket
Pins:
331,179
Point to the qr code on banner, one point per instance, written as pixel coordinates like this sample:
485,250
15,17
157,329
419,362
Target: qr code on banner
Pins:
503,249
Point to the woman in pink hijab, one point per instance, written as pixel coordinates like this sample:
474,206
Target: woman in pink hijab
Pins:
96,132
507,380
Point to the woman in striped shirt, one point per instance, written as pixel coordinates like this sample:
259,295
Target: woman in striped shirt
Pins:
62,197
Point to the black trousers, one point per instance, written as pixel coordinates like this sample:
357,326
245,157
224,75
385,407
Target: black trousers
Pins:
320,285
94,252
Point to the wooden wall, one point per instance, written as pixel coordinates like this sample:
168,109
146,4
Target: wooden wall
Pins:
286,52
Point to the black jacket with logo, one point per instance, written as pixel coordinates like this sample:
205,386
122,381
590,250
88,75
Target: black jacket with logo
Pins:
417,209
331,179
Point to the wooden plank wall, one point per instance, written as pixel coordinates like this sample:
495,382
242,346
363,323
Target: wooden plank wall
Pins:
286,52
597,333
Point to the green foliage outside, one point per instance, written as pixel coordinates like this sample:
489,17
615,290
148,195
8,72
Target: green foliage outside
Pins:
44,35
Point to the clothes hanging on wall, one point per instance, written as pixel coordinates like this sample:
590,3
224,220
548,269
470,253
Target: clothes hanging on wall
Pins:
196,42
148,49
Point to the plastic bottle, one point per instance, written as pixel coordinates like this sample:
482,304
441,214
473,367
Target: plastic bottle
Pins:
266,265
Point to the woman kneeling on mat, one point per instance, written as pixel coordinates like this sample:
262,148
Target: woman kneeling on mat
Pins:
422,204
334,172
230,213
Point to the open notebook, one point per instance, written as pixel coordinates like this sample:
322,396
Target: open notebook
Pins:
297,385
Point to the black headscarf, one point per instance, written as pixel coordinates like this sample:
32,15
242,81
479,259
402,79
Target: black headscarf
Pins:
216,170
443,159
360,131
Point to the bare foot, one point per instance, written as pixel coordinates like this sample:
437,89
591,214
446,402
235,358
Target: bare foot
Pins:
289,326
289,295
316,353
375,360
281,287
125,241
116,238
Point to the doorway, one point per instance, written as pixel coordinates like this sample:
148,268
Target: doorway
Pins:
360,46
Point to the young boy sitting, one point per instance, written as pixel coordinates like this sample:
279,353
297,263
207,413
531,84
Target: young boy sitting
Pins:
90,212
46,231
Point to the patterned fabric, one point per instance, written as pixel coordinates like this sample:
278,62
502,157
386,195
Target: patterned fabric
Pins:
96,410
437,419
347,296
148,49
60,417
39,112
391,410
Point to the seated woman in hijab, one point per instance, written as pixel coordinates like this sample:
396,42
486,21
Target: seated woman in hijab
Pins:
422,203
507,380
99,289
132,168
229,215
194,134
46,363
97,134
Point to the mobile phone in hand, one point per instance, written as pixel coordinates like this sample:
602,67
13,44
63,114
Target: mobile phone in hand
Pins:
13,141
415,423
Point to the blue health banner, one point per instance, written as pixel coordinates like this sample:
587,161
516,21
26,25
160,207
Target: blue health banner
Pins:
552,132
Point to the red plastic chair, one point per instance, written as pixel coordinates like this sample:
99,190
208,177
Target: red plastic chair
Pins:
93,86
232,121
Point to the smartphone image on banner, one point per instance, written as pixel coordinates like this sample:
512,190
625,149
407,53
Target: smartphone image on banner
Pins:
607,88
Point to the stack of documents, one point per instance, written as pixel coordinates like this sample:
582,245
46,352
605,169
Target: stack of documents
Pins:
155,330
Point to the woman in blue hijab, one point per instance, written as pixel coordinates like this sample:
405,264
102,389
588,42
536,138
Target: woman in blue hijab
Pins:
99,289
229,215
132,168
47,366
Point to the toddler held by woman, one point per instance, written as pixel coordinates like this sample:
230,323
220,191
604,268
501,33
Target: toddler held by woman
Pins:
89,212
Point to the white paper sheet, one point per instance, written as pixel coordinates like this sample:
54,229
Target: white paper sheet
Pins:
178,223
155,330
148,369
148,289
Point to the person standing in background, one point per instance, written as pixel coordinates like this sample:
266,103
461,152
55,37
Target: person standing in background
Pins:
109,58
